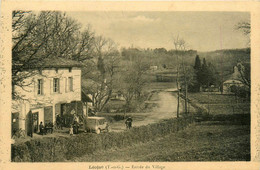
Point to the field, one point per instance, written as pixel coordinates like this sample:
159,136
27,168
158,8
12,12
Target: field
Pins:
226,140
221,104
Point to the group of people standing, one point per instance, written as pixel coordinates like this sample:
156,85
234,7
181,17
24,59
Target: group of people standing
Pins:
73,123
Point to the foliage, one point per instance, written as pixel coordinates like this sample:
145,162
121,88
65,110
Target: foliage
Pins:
244,70
240,91
206,74
64,148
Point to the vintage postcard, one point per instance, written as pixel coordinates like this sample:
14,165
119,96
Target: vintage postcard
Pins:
129,85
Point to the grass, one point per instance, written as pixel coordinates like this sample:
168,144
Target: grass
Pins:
205,141
221,104
213,98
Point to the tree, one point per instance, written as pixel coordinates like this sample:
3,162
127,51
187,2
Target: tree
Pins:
197,65
245,27
107,60
244,67
132,82
197,69
40,36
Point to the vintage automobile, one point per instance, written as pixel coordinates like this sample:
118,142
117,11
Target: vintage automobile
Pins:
97,125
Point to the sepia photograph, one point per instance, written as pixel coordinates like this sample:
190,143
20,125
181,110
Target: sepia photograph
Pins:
102,85
130,86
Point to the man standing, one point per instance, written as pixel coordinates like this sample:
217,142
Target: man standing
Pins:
128,122
41,128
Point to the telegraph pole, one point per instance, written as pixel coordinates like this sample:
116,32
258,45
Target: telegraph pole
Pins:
177,82
221,85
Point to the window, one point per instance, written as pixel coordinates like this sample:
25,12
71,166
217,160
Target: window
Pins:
56,85
39,86
70,83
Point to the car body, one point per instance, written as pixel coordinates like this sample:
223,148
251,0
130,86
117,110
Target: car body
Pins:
97,124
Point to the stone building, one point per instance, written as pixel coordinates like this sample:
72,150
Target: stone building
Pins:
53,89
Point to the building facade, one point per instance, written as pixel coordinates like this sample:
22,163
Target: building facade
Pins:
54,89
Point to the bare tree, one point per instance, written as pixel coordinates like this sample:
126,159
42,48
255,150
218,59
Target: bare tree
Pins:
107,59
245,27
43,35
132,81
244,68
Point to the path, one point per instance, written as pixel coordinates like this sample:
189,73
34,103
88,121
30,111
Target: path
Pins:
167,106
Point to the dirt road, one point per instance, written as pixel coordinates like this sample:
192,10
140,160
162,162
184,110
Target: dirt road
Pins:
167,107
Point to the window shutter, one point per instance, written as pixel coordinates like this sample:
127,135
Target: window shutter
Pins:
35,87
66,84
51,86
61,84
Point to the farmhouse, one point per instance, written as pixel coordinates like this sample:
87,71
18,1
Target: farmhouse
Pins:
53,89
232,80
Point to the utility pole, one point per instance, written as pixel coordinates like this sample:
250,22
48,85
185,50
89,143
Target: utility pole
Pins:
221,85
208,95
179,45
177,82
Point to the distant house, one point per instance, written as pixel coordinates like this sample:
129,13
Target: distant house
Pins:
117,96
232,80
55,89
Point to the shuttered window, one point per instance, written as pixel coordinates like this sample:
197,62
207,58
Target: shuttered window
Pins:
56,85
70,83
39,86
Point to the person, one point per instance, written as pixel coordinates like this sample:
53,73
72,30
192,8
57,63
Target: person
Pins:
58,121
128,122
41,128
71,130
30,124
76,124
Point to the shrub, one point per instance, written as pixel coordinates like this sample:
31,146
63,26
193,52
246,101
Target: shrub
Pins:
66,148
118,117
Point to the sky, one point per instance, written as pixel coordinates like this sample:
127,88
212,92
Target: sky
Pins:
202,31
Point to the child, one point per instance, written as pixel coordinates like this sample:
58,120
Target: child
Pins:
71,130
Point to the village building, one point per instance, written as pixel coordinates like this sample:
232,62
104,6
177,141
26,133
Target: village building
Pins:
53,89
233,80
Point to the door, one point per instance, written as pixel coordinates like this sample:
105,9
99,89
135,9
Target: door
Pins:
63,109
35,118
48,115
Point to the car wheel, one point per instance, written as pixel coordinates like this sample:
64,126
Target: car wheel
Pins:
98,131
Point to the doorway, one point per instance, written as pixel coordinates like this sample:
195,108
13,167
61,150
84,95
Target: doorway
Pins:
35,118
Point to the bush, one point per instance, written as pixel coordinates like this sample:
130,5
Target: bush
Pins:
118,117
66,148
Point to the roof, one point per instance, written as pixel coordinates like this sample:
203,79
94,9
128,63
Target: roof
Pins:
232,81
88,85
56,62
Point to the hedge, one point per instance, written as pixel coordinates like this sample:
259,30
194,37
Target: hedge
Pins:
65,148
